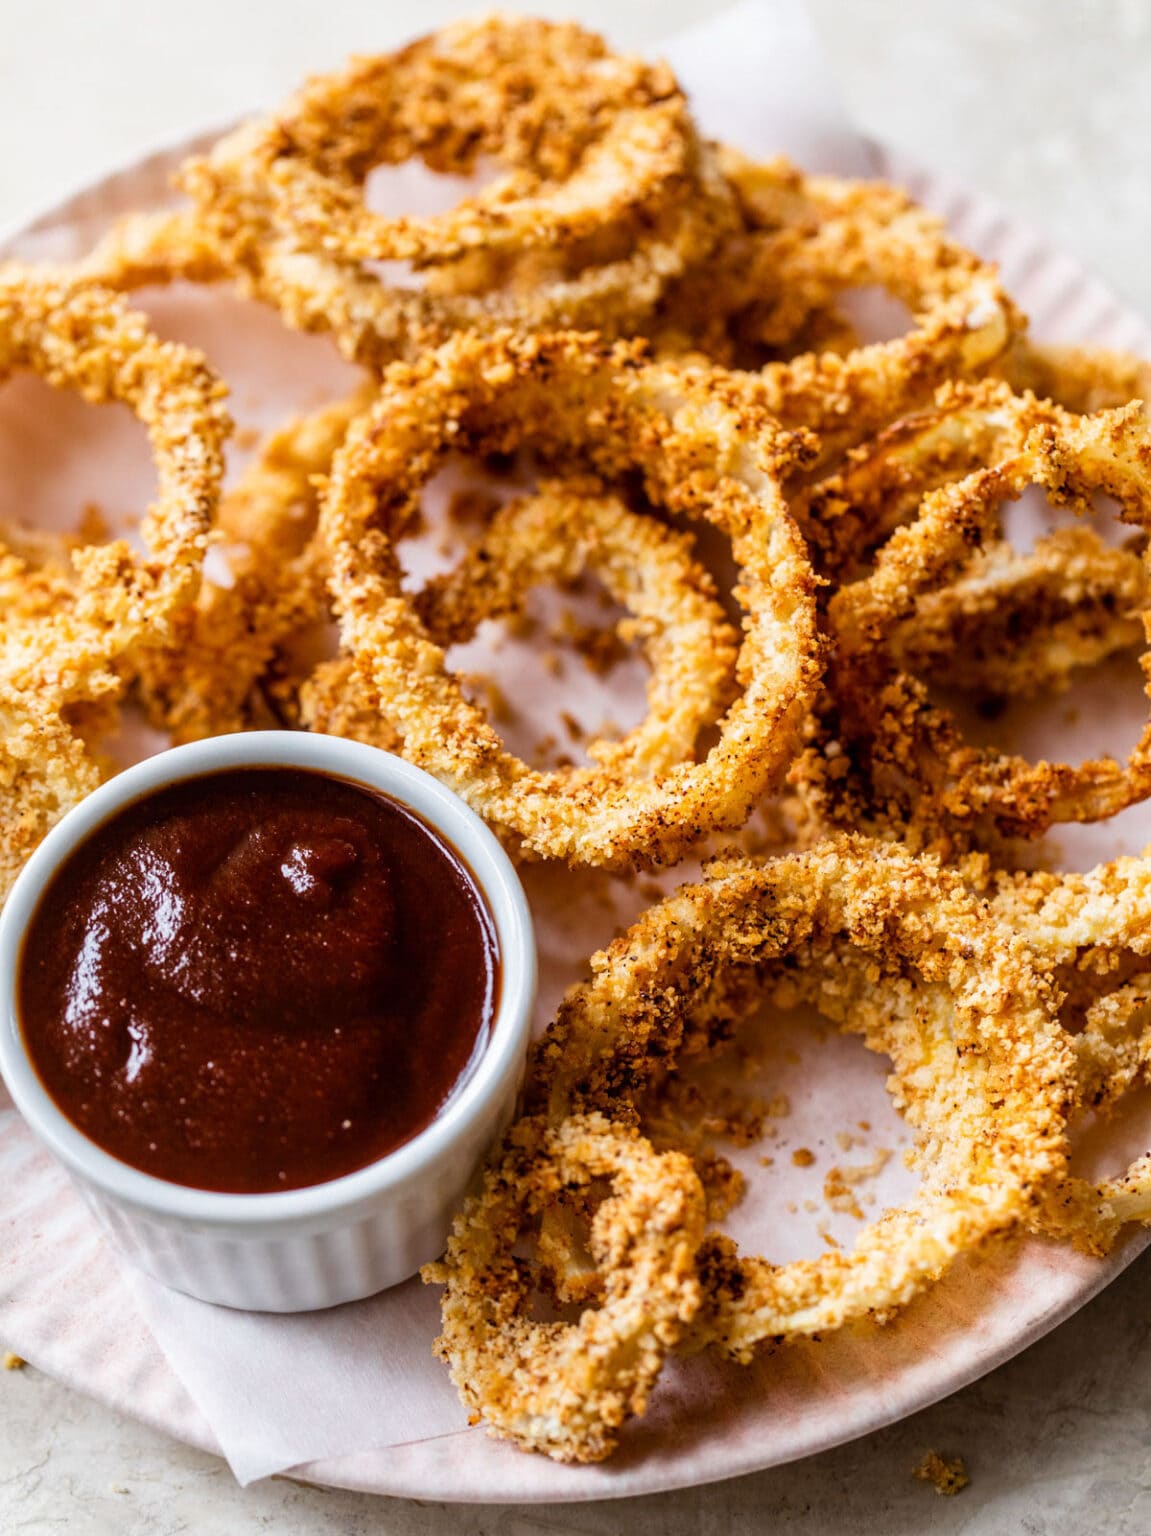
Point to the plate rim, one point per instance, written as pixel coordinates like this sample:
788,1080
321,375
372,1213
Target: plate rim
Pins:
888,1408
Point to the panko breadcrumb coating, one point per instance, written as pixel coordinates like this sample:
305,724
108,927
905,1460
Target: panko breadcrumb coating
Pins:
852,493
60,658
567,1388
706,446
907,763
593,145
986,1078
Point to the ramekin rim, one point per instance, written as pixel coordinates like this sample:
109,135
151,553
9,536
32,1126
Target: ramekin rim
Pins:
356,762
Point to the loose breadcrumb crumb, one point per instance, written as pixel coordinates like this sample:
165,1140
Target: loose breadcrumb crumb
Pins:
601,648
574,729
495,700
947,1477
13,1362
470,506
839,1185
93,526
803,1157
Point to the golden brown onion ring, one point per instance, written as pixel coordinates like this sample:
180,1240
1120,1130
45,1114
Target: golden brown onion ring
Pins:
214,675
232,234
567,1388
645,567
806,241
144,250
703,445
1015,625
1081,379
981,1066
204,681
884,716
56,662
584,138
1093,932
624,236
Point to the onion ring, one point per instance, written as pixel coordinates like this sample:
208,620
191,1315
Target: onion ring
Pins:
1081,379
981,1066
1014,626
232,234
566,1389
88,341
809,238
204,681
901,733
585,138
553,537
208,681
647,568
145,250
622,130
1093,932
705,446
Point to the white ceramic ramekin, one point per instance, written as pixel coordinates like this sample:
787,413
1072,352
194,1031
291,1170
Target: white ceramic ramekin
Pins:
302,1248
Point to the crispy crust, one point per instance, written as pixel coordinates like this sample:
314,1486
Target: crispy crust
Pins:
585,138
1081,379
647,568
704,445
1093,933
1013,626
981,1067
566,1389
204,681
882,715
806,239
611,174
59,658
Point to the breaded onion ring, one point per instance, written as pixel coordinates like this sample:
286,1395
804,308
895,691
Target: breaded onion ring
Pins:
214,676
647,568
232,234
567,1388
204,681
609,174
884,715
1010,623
145,250
59,660
1014,625
1093,932
981,1066
1081,379
808,239
584,138
704,445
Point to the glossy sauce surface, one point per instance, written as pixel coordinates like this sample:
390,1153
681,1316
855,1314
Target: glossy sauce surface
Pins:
258,980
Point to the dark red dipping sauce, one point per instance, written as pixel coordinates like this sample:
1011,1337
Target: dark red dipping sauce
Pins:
258,980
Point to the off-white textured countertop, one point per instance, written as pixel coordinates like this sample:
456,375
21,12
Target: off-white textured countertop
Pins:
1041,103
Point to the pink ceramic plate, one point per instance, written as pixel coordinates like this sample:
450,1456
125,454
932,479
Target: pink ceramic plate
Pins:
63,1302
